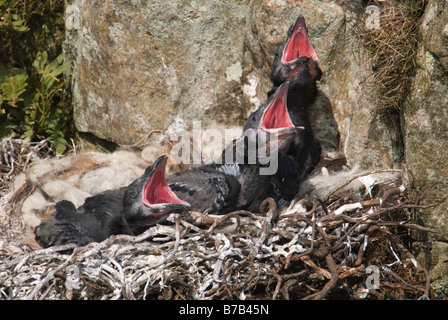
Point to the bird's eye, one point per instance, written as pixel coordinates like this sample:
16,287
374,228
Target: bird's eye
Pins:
133,193
253,119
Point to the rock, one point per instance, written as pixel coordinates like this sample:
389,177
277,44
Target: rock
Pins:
426,128
434,29
139,64
426,134
136,71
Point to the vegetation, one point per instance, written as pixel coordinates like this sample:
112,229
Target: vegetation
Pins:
393,47
32,68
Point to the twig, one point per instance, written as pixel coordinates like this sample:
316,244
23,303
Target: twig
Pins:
49,277
278,286
330,284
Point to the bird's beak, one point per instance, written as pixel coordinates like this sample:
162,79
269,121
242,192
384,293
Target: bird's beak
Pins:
156,193
276,114
298,44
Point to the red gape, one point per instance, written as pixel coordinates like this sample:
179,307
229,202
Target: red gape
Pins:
276,114
298,44
156,190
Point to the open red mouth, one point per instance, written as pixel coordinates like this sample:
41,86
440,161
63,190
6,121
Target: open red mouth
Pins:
156,190
276,120
276,114
298,44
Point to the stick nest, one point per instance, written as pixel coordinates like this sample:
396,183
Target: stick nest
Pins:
311,250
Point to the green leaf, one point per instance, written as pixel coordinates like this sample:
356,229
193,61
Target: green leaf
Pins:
18,23
13,84
28,134
51,71
55,135
61,65
6,129
40,61
60,145
54,132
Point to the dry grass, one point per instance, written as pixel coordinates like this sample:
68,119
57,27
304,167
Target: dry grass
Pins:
393,49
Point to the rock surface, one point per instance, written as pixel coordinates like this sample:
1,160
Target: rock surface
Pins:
426,126
141,66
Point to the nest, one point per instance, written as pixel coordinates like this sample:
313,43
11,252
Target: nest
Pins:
341,248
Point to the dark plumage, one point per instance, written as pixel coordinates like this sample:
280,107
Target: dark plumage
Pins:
67,226
253,160
81,225
306,149
294,97
207,189
130,210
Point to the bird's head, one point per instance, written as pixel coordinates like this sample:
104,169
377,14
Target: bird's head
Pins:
294,52
149,199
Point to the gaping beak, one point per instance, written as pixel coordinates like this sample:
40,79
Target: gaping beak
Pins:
276,114
298,44
156,193
275,120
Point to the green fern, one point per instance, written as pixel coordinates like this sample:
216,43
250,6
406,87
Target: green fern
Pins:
41,119
32,78
13,83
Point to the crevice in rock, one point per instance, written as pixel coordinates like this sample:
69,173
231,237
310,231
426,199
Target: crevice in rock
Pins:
89,141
